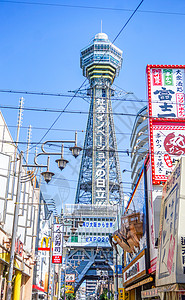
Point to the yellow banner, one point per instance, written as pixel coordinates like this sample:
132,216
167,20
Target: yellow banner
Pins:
69,289
122,294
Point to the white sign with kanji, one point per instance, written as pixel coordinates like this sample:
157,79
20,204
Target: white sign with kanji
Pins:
57,244
168,146
70,278
171,258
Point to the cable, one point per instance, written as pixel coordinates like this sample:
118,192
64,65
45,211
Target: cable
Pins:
86,78
62,95
60,114
91,7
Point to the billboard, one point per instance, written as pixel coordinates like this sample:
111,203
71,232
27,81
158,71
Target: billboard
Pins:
166,106
167,144
171,258
70,278
57,243
153,232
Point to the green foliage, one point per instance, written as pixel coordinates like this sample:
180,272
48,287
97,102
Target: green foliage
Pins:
104,295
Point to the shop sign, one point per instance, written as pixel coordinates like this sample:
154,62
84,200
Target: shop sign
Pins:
57,244
166,85
149,293
122,294
171,260
45,244
118,269
98,224
167,145
70,278
153,195
69,289
18,247
135,270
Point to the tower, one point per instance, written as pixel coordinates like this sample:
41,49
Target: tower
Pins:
99,179
99,185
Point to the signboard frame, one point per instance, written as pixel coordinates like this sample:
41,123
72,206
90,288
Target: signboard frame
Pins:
57,243
164,96
171,258
172,125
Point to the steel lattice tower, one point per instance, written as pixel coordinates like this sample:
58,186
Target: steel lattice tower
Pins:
100,179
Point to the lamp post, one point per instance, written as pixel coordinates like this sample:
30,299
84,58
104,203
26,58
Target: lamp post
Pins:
47,177
65,237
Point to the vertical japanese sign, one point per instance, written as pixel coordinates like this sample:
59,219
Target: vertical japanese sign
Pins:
57,244
166,85
171,259
101,144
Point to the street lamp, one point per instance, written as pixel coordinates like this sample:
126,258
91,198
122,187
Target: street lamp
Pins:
75,150
47,177
61,162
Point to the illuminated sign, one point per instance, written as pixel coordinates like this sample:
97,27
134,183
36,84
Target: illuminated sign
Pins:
70,278
57,244
166,86
45,244
69,289
168,144
149,293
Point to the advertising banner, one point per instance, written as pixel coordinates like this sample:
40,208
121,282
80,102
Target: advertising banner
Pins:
70,278
136,269
167,145
171,260
57,244
153,233
166,85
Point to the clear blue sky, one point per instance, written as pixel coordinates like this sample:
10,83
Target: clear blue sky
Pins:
40,50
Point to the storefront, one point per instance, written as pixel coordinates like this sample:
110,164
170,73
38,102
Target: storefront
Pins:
22,272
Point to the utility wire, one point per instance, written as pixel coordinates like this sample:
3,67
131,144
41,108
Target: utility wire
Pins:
86,78
92,7
64,95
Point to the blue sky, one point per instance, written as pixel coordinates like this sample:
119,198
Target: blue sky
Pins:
40,51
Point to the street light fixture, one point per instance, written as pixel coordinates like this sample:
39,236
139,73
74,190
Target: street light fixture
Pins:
61,161
47,177
75,150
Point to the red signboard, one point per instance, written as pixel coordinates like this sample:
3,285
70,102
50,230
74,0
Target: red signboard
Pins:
57,259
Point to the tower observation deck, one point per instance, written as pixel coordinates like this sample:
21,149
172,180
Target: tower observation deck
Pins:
99,179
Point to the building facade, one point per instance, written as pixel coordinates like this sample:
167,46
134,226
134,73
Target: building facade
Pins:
27,221
139,143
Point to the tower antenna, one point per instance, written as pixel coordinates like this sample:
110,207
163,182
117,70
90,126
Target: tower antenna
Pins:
101,26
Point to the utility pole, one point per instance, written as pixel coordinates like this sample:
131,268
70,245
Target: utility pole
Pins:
14,231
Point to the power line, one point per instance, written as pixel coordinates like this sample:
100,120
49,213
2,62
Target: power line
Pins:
92,7
51,110
64,95
86,78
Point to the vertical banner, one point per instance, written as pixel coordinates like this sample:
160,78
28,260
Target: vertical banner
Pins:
171,258
166,86
57,244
